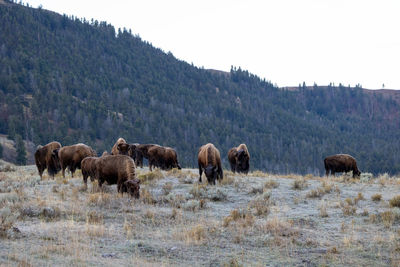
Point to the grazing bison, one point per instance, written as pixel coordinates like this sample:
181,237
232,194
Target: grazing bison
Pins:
239,158
120,170
44,159
71,156
209,160
163,157
141,151
341,163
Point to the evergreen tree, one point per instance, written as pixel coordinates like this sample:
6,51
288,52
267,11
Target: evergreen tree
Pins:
1,151
21,152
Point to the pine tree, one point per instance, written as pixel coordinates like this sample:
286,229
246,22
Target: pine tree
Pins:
1,151
21,152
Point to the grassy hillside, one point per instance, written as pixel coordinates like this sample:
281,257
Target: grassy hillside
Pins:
73,81
247,220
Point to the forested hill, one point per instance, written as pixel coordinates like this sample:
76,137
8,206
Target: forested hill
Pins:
73,81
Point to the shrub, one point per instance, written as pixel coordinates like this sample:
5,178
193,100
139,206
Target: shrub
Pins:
271,184
395,201
196,234
150,176
376,197
299,183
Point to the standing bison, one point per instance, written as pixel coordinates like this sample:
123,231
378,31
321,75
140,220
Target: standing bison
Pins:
209,161
121,147
88,166
141,151
162,157
341,163
44,159
71,156
120,170
239,158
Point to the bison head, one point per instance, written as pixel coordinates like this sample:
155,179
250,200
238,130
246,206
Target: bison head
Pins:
132,187
54,165
356,173
211,173
123,149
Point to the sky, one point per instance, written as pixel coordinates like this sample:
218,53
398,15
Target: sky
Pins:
284,41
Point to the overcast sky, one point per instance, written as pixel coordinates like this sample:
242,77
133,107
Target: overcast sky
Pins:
284,41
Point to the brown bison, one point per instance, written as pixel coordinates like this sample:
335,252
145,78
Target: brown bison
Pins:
163,157
341,163
120,170
239,158
44,159
209,160
105,153
72,156
140,151
120,147
88,167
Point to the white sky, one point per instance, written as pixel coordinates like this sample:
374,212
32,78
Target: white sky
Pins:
284,41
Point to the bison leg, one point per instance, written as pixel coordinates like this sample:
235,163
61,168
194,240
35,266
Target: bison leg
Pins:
63,171
200,173
232,167
327,172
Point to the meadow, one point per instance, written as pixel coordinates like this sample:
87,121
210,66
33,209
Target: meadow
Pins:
257,219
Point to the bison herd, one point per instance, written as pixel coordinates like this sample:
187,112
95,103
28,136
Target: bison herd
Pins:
119,166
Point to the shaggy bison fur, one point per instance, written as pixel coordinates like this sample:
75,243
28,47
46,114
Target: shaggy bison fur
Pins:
209,161
163,157
341,163
121,147
44,159
239,158
71,156
88,166
120,170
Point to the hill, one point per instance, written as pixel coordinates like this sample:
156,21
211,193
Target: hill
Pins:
72,80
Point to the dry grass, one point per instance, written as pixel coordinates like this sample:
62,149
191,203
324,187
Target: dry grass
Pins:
376,197
147,197
64,224
322,210
261,204
150,177
196,234
271,184
99,199
300,184
167,188
228,180
395,201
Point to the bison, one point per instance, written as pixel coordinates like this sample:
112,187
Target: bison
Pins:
44,159
120,170
141,151
120,147
163,157
71,156
88,167
209,160
239,158
341,163
105,153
